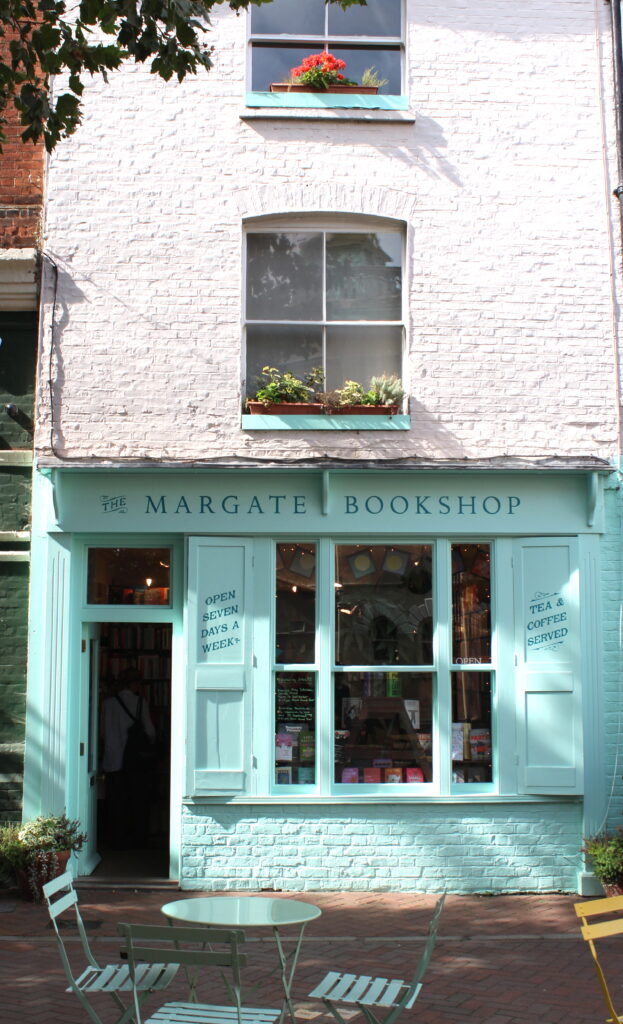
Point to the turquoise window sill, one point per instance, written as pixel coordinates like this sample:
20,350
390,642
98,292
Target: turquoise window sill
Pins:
324,100
325,422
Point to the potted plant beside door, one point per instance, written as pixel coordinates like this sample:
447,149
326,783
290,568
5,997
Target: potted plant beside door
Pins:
606,854
39,850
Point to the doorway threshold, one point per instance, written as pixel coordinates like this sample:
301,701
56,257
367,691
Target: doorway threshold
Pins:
115,882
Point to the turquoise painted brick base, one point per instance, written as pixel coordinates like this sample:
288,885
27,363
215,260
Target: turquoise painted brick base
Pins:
407,848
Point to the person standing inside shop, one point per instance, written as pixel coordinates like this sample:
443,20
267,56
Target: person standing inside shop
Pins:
128,783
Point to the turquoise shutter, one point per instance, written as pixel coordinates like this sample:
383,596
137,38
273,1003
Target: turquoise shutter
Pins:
547,620
219,634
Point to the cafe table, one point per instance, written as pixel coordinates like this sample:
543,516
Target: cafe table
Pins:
251,912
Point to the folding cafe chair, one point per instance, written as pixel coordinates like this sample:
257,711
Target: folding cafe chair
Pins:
60,897
194,948
367,993
594,930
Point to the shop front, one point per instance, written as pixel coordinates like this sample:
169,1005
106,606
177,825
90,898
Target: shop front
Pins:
358,679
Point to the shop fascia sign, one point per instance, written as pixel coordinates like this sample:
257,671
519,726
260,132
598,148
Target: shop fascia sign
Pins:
375,502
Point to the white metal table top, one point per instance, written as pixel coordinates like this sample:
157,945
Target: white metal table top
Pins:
250,911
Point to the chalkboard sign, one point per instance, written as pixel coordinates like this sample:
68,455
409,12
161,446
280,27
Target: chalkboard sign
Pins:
296,697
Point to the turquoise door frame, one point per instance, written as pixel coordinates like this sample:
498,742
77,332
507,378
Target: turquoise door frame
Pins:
56,773
173,615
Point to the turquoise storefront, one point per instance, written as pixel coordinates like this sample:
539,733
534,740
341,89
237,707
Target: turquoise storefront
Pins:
361,678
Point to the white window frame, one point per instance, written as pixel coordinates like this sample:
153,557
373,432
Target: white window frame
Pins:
326,41
333,225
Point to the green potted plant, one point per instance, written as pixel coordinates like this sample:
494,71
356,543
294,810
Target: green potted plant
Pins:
383,397
39,850
278,393
606,854
322,72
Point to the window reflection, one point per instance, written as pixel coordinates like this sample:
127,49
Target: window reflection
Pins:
296,603
384,604
471,604
383,727
295,736
471,727
284,276
128,576
364,276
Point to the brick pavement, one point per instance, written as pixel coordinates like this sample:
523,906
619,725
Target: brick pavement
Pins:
499,960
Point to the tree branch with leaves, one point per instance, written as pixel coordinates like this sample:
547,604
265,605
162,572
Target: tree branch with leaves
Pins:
43,38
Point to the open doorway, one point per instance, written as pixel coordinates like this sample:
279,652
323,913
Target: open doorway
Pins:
130,680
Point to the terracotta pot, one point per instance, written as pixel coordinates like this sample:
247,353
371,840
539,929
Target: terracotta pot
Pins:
366,90
48,865
364,410
285,408
613,888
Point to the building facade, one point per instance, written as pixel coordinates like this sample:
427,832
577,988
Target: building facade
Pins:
380,650
21,206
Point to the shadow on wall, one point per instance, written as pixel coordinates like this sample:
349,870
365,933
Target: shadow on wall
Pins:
420,145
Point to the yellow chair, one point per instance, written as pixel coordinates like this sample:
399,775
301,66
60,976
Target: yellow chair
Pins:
602,930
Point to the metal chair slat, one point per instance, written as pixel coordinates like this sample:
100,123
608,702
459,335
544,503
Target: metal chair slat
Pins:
391,993
357,990
341,987
205,1013
324,987
375,991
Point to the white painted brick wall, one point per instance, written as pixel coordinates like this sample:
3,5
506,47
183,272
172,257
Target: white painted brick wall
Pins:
402,847
508,201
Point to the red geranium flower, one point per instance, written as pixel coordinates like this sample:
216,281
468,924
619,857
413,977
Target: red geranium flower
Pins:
320,70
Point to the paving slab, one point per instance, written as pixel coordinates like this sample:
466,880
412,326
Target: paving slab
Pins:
498,960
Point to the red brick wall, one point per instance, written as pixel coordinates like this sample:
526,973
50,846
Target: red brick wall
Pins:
21,185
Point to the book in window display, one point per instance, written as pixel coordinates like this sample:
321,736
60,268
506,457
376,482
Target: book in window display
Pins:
351,708
283,775
480,744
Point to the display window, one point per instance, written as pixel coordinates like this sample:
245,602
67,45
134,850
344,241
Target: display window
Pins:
129,575
393,644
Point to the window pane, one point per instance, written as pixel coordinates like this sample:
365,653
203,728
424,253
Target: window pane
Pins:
284,276
377,18
385,60
292,348
383,727
291,17
128,576
471,604
296,603
295,733
471,727
364,276
384,605
272,62
358,353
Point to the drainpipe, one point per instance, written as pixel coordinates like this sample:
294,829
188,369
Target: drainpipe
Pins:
617,56
617,61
